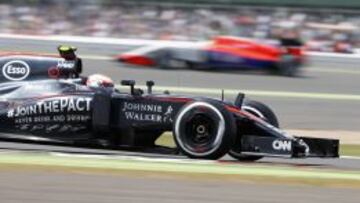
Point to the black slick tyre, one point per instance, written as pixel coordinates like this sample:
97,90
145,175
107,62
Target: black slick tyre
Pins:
262,111
204,130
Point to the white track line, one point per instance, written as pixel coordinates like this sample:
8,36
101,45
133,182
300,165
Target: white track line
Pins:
334,70
156,159
134,158
333,55
350,157
284,94
93,57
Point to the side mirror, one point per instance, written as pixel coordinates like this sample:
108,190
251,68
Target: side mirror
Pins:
149,85
239,99
130,83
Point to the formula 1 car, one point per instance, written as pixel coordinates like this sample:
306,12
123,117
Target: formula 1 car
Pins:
44,98
222,53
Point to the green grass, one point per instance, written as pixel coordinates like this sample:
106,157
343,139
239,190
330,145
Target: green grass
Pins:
166,139
345,150
350,150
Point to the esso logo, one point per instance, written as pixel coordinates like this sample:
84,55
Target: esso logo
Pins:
16,70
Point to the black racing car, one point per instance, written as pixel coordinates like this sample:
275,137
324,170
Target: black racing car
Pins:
44,98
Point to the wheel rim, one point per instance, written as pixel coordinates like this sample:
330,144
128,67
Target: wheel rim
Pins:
199,129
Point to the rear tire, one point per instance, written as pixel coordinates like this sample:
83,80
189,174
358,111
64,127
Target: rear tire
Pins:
163,59
198,66
204,130
262,111
287,66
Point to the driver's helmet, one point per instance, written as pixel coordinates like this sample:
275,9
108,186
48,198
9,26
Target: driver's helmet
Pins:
98,80
67,52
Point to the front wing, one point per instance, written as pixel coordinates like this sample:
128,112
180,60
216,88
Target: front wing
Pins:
290,147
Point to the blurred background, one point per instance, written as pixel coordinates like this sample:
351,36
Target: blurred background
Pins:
324,25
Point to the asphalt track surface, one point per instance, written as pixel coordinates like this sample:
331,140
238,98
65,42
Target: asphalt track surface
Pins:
50,186
336,77
45,186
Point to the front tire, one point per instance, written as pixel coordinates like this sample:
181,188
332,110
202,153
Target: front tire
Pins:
262,111
204,130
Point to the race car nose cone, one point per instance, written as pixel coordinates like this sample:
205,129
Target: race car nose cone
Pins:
136,60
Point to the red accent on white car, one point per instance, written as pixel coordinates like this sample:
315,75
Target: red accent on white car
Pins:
136,60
